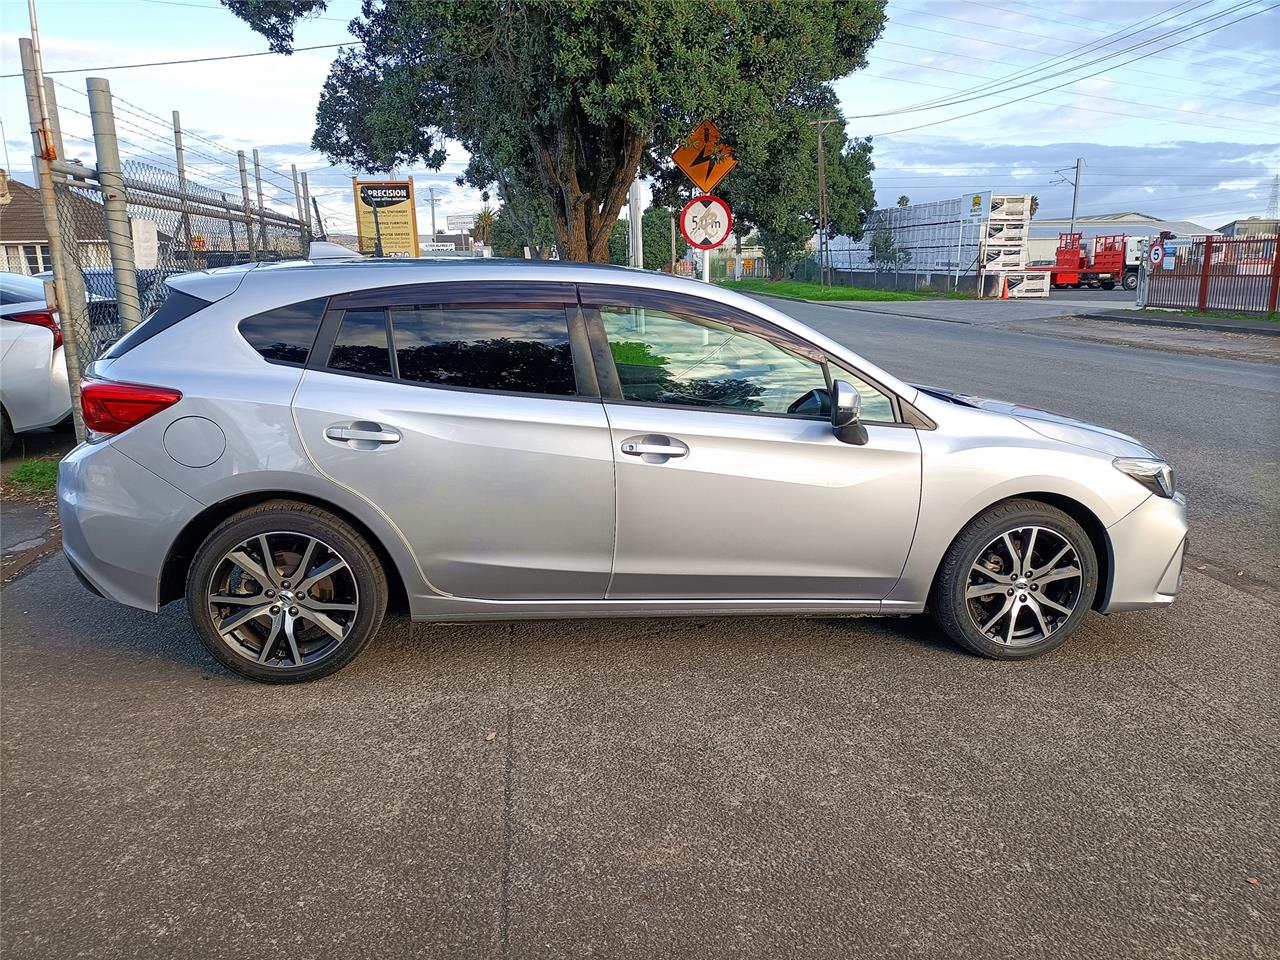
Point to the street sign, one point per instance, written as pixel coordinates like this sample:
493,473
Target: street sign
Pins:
1156,253
197,241
385,214
704,158
706,222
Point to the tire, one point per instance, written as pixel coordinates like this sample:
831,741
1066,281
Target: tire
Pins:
1131,281
294,635
981,558
6,433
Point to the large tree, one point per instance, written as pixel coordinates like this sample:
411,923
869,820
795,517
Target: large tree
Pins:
570,98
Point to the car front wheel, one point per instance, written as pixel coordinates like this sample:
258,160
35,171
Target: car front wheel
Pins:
285,591
1017,581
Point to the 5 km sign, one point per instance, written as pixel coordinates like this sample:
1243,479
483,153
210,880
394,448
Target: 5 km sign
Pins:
705,222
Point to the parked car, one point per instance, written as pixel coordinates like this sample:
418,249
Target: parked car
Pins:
33,372
290,445
104,316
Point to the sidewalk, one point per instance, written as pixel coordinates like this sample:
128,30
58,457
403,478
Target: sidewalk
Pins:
1155,318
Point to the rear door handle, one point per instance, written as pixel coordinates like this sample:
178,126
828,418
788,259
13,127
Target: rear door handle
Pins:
362,435
653,448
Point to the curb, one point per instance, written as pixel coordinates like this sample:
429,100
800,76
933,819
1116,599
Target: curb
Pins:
1145,320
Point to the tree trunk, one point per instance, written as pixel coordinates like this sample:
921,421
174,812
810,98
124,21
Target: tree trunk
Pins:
582,224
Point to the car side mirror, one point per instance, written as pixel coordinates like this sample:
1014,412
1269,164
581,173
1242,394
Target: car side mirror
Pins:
846,408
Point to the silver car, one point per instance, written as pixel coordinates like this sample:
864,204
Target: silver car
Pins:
291,446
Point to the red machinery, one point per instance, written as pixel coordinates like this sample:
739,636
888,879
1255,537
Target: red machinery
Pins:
1074,267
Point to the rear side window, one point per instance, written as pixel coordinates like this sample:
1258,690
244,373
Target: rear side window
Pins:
361,345
516,348
285,335
176,308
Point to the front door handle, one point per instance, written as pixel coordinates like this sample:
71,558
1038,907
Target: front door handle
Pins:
654,448
362,435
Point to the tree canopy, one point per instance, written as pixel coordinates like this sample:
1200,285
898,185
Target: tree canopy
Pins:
559,104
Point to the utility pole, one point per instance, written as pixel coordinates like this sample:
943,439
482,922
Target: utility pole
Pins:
822,199
68,281
433,200
634,224
302,216
1075,193
673,243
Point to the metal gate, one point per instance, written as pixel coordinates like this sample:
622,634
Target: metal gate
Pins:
1217,273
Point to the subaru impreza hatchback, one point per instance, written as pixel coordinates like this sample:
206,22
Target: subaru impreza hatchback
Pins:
287,446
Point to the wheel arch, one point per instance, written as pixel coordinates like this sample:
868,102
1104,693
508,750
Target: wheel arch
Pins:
1077,511
173,575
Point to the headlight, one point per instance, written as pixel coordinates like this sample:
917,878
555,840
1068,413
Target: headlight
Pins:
1155,475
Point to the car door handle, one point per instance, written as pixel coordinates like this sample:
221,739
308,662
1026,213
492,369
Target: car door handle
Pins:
654,449
362,435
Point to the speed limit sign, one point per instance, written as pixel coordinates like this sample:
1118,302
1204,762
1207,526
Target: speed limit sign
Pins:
705,222
1156,253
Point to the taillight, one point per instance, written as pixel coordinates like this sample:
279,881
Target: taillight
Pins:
41,318
115,407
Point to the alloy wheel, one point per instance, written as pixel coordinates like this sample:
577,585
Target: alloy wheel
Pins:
283,599
1024,585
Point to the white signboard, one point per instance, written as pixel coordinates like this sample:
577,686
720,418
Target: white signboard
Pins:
460,222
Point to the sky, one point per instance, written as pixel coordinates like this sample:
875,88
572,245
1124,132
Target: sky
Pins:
958,97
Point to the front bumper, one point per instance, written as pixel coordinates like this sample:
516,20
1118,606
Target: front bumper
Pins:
1148,549
118,522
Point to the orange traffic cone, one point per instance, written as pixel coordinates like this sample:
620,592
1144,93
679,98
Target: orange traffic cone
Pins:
1004,288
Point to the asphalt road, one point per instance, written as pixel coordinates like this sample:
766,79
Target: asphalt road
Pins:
687,788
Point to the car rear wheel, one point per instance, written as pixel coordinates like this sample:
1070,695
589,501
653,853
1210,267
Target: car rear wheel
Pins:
285,591
1017,581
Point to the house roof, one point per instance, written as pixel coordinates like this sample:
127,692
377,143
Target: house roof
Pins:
1132,219
22,218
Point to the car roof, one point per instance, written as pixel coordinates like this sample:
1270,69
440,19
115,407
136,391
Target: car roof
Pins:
271,285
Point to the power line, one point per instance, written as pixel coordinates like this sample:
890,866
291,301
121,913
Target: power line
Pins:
175,63
1078,79
972,94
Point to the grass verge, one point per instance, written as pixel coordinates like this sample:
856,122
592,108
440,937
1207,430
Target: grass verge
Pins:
813,291
37,477
1221,315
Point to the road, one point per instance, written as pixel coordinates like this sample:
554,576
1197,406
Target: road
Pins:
686,788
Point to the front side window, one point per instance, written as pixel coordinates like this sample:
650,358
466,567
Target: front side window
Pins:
285,335
666,358
518,348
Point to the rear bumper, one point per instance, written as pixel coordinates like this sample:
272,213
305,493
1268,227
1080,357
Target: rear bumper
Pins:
1148,548
118,522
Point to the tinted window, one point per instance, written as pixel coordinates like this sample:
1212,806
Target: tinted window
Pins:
361,345
285,335
691,361
176,307
15,288
517,348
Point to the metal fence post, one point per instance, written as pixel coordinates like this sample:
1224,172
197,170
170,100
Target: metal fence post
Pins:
180,157
262,214
302,217
248,210
1202,302
306,205
1273,295
68,281
114,203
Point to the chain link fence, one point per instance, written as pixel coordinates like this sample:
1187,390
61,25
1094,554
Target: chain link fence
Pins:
140,206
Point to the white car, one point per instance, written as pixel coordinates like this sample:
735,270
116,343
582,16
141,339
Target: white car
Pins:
33,372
